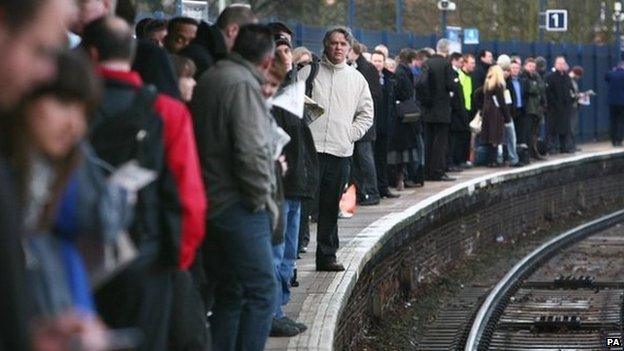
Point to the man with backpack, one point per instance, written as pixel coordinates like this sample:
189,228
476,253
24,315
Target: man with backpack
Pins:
136,123
348,114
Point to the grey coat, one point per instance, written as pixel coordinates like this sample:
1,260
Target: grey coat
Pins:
234,134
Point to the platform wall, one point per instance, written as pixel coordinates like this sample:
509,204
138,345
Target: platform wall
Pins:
469,219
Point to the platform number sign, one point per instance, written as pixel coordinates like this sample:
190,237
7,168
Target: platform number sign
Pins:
556,20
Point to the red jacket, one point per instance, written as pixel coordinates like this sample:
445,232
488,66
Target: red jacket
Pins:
183,162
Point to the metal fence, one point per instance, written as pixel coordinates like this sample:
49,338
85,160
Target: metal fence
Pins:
595,60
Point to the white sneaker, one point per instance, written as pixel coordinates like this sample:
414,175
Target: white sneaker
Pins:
344,215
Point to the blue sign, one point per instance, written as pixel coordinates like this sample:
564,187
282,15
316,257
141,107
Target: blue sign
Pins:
556,20
471,36
453,34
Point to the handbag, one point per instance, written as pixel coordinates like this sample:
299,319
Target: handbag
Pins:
409,111
477,123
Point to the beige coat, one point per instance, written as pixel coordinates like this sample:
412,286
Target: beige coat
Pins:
344,94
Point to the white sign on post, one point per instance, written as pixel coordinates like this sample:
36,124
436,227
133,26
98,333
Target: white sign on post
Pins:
556,20
453,34
197,10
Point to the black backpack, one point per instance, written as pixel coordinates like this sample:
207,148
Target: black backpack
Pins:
119,135
309,84
308,115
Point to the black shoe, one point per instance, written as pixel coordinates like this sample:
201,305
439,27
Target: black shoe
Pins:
329,267
293,282
390,195
303,249
467,165
454,169
369,201
444,178
519,164
302,327
410,184
283,328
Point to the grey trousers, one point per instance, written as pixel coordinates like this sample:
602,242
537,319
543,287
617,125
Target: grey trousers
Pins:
363,170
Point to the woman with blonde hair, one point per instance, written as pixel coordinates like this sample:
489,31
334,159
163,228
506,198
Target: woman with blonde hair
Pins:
301,56
491,100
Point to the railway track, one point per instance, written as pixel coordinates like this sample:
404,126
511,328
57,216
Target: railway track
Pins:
565,295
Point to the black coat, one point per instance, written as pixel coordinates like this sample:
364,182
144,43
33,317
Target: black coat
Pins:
440,78
460,118
155,67
301,180
13,287
560,103
479,74
404,135
207,49
385,113
372,77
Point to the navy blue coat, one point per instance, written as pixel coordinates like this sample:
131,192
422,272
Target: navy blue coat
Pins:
615,79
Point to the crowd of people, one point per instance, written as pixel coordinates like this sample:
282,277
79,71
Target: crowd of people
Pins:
153,197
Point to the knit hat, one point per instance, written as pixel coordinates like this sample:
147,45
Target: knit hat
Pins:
281,39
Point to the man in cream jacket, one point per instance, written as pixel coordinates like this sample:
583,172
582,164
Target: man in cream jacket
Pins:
344,94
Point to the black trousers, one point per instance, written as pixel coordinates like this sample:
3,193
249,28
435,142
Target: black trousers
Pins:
616,124
189,325
382,145
140,296
363,170
304,223
332,175
523,123
436,145
459,147
559,143
533,133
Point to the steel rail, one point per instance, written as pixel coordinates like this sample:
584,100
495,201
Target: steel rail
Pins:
480,332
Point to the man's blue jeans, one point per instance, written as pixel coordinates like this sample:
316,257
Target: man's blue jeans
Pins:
240,265
285,254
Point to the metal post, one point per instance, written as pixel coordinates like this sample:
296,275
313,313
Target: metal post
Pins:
618,40
399,15
444,17
351,14
178,8
542,19
618,16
